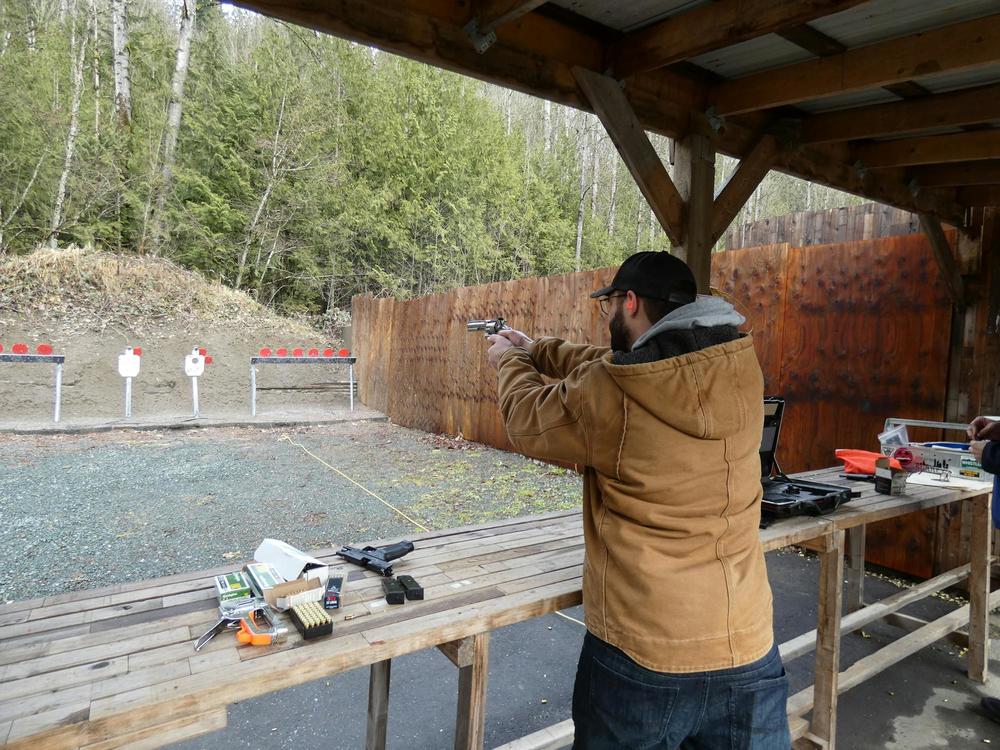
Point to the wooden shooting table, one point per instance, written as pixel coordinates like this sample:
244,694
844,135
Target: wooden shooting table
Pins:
116,667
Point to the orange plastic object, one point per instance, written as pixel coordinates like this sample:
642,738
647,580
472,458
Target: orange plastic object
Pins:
248,635
862,462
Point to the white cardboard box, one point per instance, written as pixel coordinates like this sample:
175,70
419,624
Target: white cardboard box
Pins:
290,562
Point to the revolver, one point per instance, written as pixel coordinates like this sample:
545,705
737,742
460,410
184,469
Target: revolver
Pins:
489,327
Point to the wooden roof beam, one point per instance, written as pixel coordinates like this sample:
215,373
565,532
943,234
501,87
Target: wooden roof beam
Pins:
491,14
713,26
963,45
953,109
615,112
985,172
980,195
933,149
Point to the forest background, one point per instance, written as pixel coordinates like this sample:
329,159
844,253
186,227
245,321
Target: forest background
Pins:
301,168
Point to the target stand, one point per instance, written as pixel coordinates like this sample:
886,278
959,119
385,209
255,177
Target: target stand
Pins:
313,356
43,355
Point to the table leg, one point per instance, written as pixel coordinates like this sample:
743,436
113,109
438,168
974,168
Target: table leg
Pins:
470,724
831,576
979,589
378,705
855,568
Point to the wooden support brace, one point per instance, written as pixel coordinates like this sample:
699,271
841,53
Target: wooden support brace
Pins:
459,652
979,590
831,576
855,568
491,14
909,623
378,705
470,722
626,132
945,259
741,184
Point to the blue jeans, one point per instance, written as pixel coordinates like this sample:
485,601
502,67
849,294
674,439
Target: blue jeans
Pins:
619,705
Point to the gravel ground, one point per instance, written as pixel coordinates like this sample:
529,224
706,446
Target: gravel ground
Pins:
82,511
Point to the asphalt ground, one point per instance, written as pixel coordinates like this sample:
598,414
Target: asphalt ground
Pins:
81,511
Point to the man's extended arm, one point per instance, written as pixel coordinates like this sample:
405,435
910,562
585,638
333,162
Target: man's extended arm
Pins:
557,358
543,421
991,457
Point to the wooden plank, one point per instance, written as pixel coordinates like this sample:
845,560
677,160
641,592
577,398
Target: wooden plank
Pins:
951,109
470,719
713,26
931,149
615,112
378,705
945,260
979,590
855,569
740,186
169,732
491,14
873,664
555,737
695,172
910,623
979,195
960,46
986,172
879,610
459,653
831,576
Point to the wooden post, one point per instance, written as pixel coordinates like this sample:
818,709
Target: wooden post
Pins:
979,590
470,723
695,180
831,576
855,568
378,705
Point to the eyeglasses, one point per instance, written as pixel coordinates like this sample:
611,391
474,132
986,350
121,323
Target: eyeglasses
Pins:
605,303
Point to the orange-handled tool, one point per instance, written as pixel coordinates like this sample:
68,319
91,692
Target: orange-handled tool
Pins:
259,629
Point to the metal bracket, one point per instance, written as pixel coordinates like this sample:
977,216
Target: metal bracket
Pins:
914,187
715,121
861,169
481,42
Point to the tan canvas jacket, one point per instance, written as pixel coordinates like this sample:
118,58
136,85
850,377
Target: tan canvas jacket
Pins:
674,571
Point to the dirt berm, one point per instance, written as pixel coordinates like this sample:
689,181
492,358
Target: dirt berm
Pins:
90,305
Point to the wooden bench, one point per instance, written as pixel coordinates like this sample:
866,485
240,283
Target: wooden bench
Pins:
116,667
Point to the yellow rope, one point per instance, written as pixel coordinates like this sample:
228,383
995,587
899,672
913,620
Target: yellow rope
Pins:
573,619
352,481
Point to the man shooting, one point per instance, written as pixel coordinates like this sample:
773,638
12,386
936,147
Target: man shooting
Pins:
666,425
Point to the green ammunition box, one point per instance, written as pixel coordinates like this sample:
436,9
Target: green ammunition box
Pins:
232,587
262,576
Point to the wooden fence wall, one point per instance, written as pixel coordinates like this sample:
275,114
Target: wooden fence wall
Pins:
849,334
867,221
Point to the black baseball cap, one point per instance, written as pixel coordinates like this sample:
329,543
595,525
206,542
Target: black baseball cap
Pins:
654,274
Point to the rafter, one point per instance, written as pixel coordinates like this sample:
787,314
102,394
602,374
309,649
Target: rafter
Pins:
965,107
963,45
950,175
713,26
932,149
615,112
490,14
980,195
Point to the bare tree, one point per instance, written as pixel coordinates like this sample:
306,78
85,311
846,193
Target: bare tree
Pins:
613,208
95,62
169,145
548,126
78,50
120,63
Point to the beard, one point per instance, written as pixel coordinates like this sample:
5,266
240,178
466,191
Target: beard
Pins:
620,339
